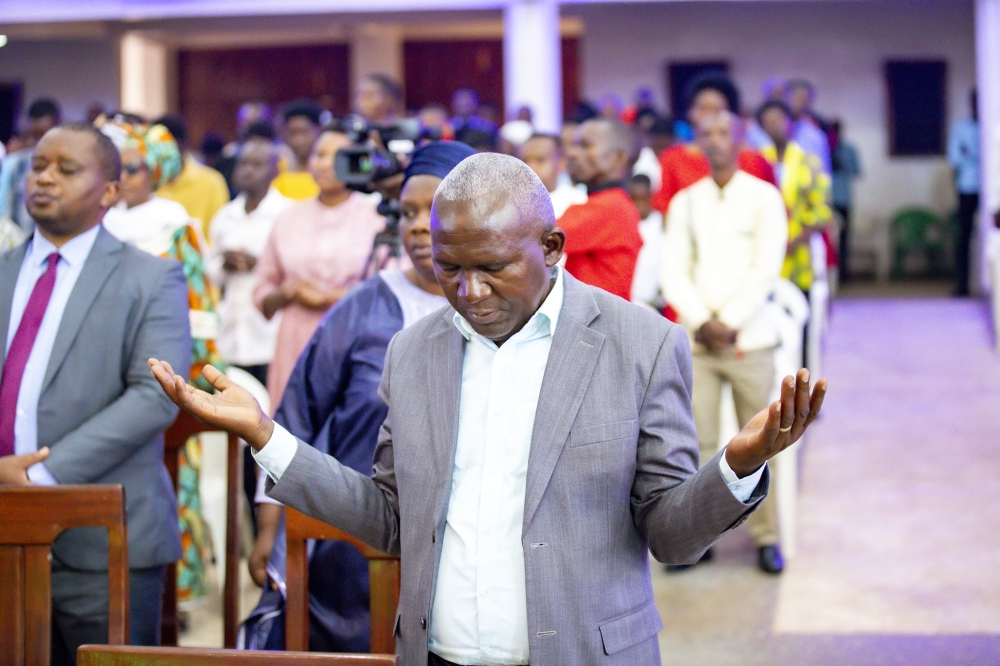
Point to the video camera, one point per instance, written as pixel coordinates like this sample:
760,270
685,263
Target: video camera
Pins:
364,164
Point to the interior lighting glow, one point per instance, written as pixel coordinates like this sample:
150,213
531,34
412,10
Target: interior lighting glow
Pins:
3,40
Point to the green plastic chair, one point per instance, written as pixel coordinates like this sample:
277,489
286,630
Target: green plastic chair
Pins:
918,230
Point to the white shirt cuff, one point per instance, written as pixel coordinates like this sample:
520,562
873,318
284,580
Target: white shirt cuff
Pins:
40,475
260,497
277,454
740,488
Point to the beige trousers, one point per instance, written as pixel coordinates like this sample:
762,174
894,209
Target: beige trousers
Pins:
751,374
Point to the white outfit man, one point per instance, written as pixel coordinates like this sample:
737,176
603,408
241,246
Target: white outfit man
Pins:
722,255
246,338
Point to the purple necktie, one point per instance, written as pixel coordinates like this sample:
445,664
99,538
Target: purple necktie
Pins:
20,350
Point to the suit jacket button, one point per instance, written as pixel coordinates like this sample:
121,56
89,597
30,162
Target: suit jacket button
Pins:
423,623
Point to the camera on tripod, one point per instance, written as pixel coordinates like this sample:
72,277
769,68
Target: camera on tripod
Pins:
365,165
361,166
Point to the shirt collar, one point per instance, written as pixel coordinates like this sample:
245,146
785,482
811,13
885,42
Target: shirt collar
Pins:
542,323
74,251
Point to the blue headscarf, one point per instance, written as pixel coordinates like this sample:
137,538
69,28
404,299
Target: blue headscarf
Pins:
437,158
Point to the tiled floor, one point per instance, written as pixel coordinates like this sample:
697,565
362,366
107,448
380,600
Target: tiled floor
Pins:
899,511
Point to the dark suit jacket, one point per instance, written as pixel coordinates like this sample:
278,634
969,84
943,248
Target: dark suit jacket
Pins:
612,474
100,411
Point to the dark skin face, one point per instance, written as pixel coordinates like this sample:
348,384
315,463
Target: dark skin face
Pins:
66,191
494,267
39,126
640,195
300,134
593,158
415,203
256,167
777,125
545,159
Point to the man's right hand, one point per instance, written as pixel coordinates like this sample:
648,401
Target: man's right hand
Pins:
231,408
716,336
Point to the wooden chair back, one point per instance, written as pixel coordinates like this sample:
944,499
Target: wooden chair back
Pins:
105,655
383,573
30,520
183,428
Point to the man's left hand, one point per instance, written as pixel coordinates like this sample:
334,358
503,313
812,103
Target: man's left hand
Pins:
776,428
14,469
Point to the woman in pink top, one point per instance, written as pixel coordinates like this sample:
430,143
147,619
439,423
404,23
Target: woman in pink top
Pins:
317,251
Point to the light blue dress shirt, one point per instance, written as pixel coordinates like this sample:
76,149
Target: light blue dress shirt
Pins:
73,254
963,153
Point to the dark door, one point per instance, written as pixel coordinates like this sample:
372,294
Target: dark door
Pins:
10,109
436,69
213,83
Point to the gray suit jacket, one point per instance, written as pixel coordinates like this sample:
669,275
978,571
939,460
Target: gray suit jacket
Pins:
612,474
101,412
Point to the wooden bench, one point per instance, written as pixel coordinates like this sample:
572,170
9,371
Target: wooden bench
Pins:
383,573
177,435
105,655
30,520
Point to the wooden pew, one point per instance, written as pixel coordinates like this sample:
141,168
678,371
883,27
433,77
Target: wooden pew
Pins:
184,427
105,655
30,520
383,573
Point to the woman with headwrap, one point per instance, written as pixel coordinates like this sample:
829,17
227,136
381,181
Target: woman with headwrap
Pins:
332,402
150,158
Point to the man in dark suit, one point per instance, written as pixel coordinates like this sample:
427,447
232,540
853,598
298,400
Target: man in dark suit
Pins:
80,312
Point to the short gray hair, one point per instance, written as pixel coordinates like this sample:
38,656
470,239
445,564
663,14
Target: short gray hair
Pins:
494,180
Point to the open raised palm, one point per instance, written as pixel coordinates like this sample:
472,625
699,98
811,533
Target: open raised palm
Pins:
774,429
231,408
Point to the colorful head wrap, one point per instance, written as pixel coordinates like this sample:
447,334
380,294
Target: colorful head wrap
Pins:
156,145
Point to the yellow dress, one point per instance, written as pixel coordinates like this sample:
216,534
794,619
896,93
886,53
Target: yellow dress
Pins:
805,188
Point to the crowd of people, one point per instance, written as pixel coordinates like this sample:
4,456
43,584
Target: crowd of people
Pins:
695,217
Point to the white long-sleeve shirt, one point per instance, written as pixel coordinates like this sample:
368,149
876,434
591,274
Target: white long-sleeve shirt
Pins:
722,255
479,614
245,336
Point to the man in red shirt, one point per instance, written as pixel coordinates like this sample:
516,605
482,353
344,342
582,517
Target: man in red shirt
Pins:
602,235
685,164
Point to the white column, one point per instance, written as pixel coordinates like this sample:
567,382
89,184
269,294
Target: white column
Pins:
532,60
376,48
144,76
988,81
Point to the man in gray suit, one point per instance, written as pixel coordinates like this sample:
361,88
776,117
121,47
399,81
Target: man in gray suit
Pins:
80,312
539,443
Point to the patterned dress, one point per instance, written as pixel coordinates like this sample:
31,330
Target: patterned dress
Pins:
805,188
163,228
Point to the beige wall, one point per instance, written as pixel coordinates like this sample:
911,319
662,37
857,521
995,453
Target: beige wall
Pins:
840,46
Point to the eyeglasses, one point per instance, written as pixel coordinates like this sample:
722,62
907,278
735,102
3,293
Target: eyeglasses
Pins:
132,168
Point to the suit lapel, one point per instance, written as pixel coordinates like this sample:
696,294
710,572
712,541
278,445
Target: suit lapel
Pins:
10,266
444,378
101,262
572,359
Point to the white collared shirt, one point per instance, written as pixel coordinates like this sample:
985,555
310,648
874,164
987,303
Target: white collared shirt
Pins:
72,256
479,614
245,336
722,255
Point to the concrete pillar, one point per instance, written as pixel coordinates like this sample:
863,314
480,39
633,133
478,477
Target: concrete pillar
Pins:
532,60
376,48
988,81
145,75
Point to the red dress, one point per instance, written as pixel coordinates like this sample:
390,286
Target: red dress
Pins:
603,241
685,165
